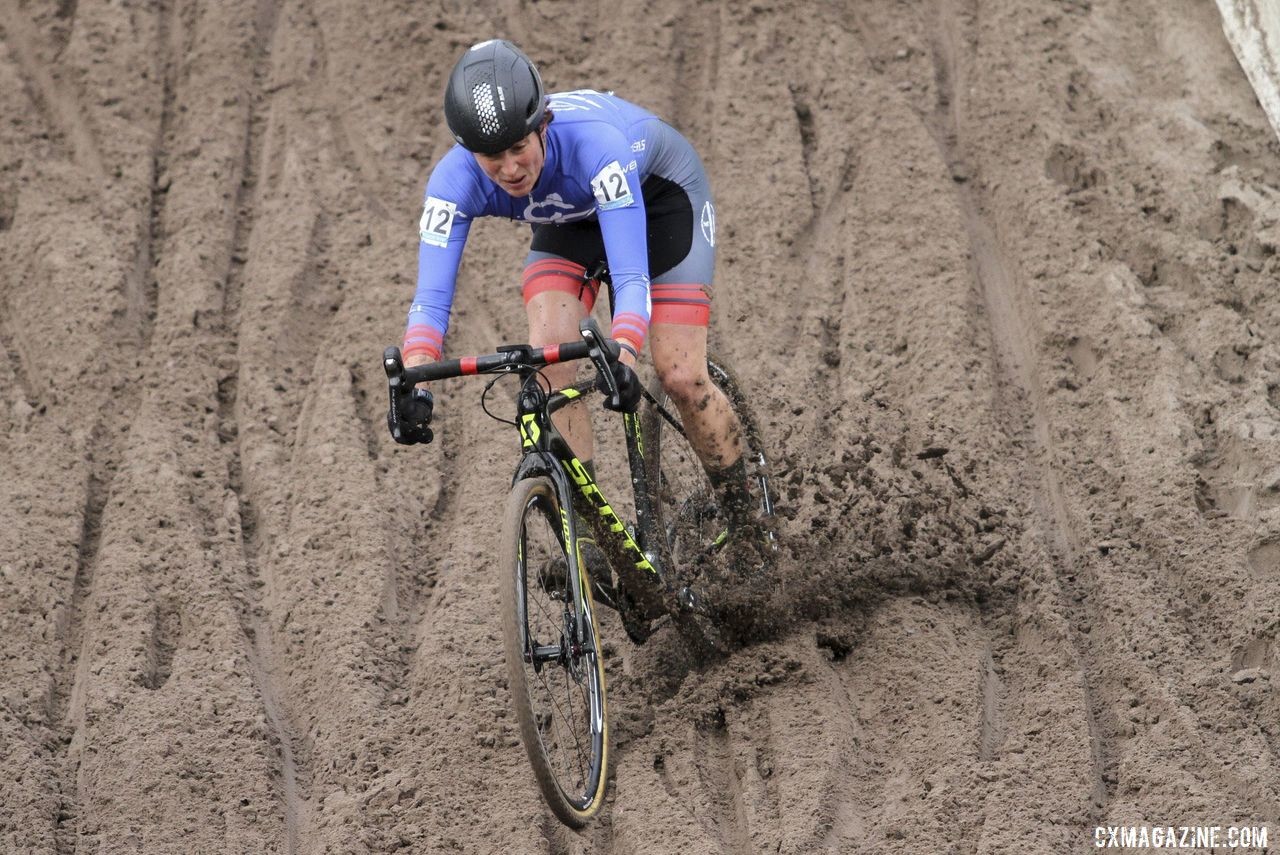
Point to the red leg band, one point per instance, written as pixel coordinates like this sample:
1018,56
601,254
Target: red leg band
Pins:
689,305
558,274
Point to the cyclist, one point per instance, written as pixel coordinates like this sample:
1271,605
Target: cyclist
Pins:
597,178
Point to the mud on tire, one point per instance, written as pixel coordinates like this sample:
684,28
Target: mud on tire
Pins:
559,695
687,517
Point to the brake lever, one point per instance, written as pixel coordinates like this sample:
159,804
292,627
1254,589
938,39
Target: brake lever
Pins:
597,354
393,364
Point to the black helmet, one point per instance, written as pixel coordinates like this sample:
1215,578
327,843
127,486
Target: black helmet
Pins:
494,98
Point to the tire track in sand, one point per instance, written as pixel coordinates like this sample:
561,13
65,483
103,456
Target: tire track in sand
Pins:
408,600
696,45
1188,302
290,746
53,97
66,682
818,248
720,790
132,332
1019,392
772,766
363,162
991,726
141,287
17,365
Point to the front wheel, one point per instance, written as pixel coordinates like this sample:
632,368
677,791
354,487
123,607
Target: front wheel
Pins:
554,662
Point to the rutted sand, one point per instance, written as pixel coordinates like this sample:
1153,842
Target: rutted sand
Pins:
235,617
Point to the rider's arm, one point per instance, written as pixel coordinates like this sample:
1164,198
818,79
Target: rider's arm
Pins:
449,207
620,210
429,314
626,240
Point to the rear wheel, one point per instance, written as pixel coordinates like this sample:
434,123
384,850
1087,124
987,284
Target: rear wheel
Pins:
554,662
689,522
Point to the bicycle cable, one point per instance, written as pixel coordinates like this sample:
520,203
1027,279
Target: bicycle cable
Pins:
485,394
506,371
664,412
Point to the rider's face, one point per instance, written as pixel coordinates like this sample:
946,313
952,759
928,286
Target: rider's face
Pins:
515,170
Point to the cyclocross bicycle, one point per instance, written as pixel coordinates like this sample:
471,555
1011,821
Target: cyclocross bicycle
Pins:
551,630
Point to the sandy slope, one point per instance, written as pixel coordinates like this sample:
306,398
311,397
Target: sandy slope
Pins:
235,617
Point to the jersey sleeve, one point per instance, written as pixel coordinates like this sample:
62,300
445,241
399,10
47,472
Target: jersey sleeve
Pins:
452,201
615,182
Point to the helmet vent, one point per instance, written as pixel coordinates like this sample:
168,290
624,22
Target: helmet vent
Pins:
494,98
486,110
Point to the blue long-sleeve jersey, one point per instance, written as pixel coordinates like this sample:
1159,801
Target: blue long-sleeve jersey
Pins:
596,160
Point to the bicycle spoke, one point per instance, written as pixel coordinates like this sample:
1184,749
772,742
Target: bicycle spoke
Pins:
561,671
689,522
568,717
582,779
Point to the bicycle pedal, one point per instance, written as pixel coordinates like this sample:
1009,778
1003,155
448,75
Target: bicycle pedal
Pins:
694,604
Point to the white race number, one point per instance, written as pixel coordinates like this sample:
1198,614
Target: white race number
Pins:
611,188
437,221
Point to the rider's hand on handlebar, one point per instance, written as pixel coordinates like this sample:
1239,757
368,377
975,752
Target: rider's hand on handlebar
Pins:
628,397
409,417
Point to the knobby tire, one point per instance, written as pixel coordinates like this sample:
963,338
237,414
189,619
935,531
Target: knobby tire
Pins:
687,520
561,706
684,498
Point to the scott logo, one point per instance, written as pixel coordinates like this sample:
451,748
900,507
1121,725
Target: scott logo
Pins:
580,477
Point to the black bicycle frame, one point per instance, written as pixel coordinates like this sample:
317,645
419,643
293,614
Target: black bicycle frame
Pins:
633,554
